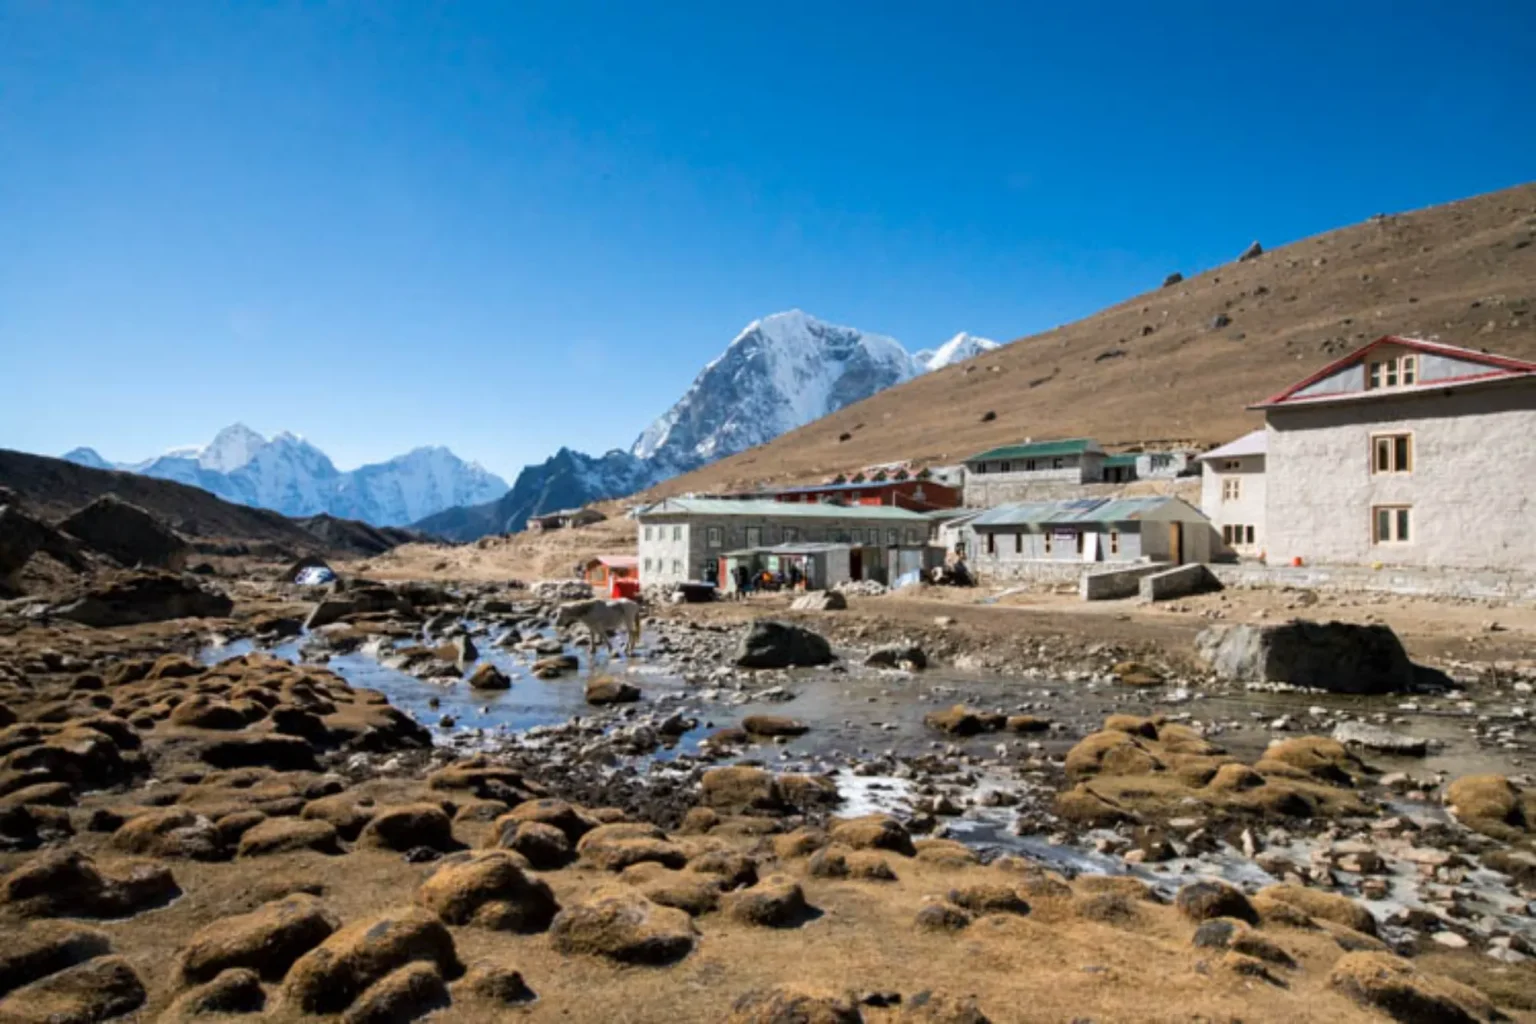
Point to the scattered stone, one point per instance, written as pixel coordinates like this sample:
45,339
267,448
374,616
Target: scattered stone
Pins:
489,677
489,889
402,995
771,644
1202,901
95,990
331,976
267,940
819,601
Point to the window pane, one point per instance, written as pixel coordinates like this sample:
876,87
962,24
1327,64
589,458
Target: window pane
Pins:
1383,455
1375,381
1392,374
1402,461
1383,525
1250,535
1410,368
1402,524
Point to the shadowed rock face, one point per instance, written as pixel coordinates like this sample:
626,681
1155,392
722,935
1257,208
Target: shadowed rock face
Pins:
1336,656
145,597
128,533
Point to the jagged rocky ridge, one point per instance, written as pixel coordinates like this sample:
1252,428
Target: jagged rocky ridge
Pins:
779,373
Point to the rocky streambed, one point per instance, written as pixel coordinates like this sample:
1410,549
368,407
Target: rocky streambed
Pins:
432,801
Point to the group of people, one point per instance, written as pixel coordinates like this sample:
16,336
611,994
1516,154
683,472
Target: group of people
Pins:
748,580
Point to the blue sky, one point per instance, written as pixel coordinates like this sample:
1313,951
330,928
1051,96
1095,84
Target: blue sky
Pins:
507,227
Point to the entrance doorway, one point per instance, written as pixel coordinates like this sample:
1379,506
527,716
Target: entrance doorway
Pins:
855,564
1176,543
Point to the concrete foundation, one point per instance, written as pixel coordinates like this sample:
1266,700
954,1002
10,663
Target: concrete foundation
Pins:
1482,585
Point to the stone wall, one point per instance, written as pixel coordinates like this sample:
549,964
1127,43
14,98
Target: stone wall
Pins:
1179,581
1113,584
1460,583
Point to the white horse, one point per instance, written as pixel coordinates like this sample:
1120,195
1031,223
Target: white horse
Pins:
601,617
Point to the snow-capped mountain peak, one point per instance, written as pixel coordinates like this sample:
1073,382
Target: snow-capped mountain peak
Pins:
292,476
779,373
958,349
231,448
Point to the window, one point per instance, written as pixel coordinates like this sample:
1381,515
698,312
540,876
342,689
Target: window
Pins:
1226,534
1056,463
1114,542
1018,543
1079,541
1029,465
991,543
911,536
856,537
1391,524
1005,467
1231,489
1231,465
1249,532
647,533
677,533
791,535
647,565
754,536
1392,453
677,567
1047,536
890,539
716,539
1390,373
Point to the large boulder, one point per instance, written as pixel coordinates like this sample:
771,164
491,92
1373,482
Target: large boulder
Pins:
331,976
1340,657
145,597
625,927
1398,989
95,990
267,940
771,644
489,889
127,533
47,947
66,883
21,537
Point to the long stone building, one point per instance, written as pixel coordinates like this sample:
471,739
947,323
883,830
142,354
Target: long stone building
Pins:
681,539
1404,453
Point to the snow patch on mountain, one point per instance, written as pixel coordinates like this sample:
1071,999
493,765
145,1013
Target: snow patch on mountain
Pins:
289,475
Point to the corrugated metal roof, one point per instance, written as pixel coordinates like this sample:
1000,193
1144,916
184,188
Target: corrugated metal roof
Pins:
1076,510
777,510
1038,449
1256,443
867,485
1127,459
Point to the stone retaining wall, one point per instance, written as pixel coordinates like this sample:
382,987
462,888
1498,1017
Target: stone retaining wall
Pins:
1177,582
1111,584
1461,583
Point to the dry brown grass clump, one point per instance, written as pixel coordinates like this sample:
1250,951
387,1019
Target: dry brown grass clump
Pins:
1494,806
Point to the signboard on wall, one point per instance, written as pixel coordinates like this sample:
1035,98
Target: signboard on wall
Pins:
1063,540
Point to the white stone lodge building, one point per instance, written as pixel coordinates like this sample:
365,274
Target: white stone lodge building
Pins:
681,538
1403,453
1034,470
1232,492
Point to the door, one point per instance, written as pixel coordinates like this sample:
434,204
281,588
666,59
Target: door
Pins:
1176,543
855,564
1090,547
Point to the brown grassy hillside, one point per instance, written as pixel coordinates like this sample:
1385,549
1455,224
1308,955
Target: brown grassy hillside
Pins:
1154,369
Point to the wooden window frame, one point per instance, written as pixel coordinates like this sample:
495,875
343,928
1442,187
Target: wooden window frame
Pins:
1249,528
1397,517
1114,542
1392,454
715,537
1400,371
1231,489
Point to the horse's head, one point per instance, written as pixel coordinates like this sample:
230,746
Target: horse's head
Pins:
565,615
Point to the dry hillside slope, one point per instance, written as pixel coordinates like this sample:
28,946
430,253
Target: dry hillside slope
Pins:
1156,368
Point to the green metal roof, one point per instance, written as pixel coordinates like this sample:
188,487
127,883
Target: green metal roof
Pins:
777,510
1127,459
1038,450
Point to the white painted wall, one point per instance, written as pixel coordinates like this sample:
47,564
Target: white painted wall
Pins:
1247,509
1471,488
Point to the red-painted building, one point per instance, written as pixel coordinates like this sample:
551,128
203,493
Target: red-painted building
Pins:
917,495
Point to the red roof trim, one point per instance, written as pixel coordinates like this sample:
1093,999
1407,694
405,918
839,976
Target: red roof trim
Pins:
1503,363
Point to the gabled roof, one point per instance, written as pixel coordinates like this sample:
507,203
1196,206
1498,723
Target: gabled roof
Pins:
776,510
1256,443
1038,449
1079,510
1496,368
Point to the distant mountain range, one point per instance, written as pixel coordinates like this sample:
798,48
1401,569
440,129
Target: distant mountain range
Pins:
779,373
289,475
